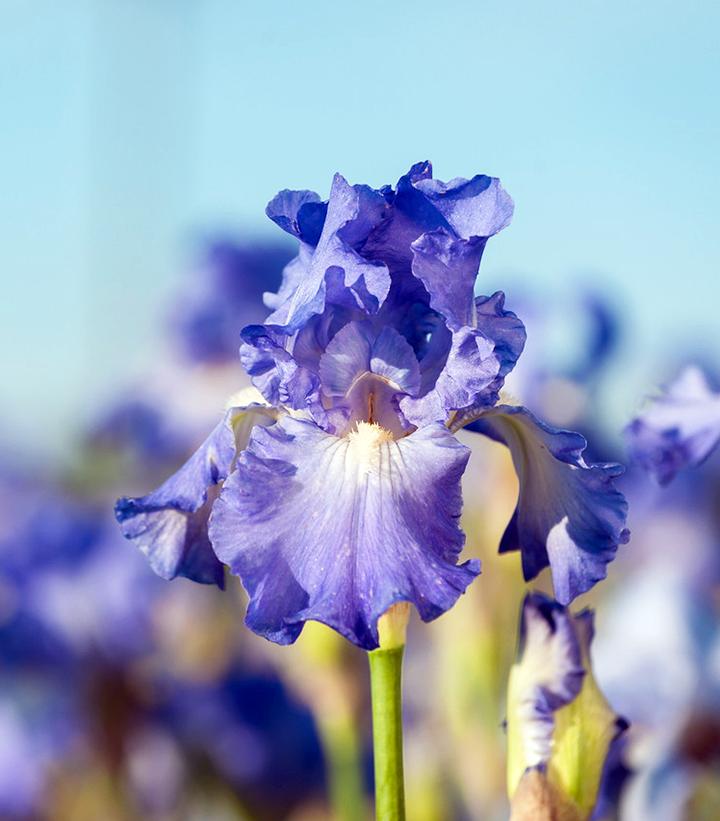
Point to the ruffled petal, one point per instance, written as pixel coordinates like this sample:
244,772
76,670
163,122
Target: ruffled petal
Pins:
470,375
479,207
569,514
464,209
448,268
352,212
300,213
504,328
679,429
169,525
465,381
273,369
338,529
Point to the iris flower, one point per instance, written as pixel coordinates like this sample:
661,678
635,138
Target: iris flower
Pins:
678,429
223,293
337,493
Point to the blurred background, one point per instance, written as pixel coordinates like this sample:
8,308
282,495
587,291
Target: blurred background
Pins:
140,144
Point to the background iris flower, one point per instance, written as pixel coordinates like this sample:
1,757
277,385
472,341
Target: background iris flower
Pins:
679,428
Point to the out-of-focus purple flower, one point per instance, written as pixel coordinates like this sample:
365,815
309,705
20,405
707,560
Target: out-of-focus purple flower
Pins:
376,352
255,735
678,429
138,427
56,554
38,726
225,293
658,658
602,335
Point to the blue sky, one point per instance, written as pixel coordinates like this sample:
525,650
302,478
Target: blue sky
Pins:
129,128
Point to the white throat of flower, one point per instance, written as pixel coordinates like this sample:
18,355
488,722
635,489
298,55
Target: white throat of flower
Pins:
364,443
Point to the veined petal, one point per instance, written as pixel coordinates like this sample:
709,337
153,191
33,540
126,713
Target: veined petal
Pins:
466,379
470,375
569,514
358,349
300,213
478,207
169,525
273,369
352,212
464,209
504,328
338,529
448,267
679,429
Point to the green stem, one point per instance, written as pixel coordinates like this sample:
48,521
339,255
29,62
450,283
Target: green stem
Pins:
341,747
385,686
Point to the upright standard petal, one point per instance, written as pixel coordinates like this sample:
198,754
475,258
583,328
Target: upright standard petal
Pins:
169,525
352,212
467,211
505,330
478,207
300,213
360,349
338,529
679,429
569,514
448,268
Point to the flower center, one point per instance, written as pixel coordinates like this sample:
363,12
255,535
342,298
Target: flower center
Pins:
364,442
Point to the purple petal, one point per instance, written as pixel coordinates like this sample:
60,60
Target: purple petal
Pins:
169,525
569,514
352,212
479,207
465,381
465,209
338,529
503,327
448,268
273,370
300,213
358,349
471,373
679,429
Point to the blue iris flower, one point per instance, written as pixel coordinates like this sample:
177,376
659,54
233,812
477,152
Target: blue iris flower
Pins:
678,429
336,493
224,293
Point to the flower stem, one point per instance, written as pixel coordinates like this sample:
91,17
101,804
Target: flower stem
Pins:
385,686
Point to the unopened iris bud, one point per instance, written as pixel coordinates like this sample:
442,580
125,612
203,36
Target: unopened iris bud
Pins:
560,726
